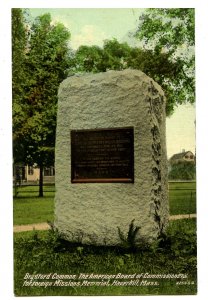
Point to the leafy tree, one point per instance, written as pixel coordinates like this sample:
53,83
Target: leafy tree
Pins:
119,56
171,31
19,44
88,59
95,59
46,63
116,54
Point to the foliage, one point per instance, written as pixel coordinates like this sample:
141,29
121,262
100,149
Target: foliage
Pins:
119,56
171,28
180,239
183,171
45,63
129,241
95,59
19,44
88,59
171,31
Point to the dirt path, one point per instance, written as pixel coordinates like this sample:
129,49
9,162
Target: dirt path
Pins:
29,227
178,217
45,226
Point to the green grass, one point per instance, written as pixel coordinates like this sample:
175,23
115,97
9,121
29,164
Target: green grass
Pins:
29,208
45,253
182,197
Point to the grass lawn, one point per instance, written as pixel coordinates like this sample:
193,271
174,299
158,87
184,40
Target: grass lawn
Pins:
182,197
45,253
29,208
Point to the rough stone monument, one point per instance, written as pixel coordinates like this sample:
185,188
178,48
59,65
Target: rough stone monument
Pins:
111,165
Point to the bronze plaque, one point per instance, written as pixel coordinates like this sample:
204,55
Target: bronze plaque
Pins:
104,155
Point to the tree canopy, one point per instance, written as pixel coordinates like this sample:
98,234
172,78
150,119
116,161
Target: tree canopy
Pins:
167,54
44,64
118,56
171,31
19,44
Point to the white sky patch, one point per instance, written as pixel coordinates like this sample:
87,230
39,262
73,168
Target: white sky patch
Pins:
89,35
180,130
65,21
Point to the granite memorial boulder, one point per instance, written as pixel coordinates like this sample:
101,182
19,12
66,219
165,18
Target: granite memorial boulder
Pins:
111,164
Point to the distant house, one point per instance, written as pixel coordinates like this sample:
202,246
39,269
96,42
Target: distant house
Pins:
182,166
27,173
181,157
32,173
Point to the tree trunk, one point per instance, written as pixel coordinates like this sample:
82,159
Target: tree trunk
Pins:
41,181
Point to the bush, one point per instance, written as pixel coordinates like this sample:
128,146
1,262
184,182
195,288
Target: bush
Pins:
183,171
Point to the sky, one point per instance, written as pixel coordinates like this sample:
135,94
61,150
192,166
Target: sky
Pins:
92,26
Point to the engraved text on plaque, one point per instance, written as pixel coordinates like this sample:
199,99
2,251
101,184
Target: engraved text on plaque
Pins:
104,155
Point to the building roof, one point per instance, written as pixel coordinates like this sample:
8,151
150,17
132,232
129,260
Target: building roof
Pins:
179,155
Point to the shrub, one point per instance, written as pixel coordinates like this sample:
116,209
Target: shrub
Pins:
183,171
129,241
